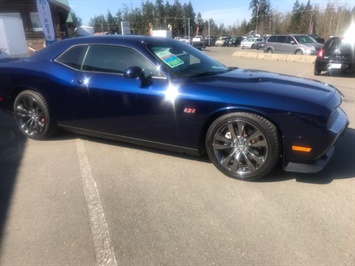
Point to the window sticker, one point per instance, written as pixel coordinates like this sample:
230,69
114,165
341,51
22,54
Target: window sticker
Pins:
170,59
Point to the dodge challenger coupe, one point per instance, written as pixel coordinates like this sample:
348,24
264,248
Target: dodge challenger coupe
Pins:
166,94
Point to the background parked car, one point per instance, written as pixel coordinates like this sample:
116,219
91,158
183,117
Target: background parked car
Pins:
259,43
199,42
179,39
337,54
292,44
222,41
235,41
210,40
247,42
187,39
317,38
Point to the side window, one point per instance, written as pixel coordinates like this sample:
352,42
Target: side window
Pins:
272,39
289,39
116,59
73,57
281,39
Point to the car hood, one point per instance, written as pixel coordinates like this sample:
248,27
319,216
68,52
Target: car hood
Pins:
268,83
317,46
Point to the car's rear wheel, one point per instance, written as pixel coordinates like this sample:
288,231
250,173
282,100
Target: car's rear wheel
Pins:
269,51
32,115
316,72
243,145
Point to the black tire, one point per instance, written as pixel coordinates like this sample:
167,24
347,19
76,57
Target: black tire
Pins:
269,51
316,72
32,115
243,145
299,52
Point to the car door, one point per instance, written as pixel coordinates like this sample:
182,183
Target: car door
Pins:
280,45
111,103
289,45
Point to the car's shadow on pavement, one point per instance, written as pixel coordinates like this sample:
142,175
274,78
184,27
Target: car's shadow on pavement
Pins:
340,166
12,146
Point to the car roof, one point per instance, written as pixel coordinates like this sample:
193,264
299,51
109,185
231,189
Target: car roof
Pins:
58,47
289,34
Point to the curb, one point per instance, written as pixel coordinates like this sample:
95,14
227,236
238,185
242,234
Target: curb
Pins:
277,57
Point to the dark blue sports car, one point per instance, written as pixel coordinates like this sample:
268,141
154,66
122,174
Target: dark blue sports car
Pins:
163,93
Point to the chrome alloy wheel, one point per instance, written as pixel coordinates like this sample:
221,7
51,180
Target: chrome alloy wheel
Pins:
30,116
240,147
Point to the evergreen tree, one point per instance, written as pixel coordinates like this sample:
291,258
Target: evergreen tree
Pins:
112,24
297,13
159,13
190,16
99,23
261,16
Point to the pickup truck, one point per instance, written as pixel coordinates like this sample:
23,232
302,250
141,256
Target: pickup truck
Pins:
199,42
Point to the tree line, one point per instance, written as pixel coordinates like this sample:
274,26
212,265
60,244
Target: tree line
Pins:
331,20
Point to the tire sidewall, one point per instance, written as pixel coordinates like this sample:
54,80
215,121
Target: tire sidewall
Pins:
44,108
265,127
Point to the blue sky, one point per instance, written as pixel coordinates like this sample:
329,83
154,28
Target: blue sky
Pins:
229,12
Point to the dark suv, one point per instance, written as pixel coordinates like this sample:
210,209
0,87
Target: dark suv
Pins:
336,54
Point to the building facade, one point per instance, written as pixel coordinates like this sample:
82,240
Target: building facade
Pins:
27,9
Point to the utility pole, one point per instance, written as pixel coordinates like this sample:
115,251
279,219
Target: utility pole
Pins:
189,28
209,31
257,18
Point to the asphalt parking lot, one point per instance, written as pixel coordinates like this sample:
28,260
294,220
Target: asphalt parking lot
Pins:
75,200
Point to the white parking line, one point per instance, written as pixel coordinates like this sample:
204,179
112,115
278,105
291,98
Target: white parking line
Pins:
100,233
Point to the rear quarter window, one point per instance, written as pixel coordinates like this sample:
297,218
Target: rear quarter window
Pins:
73,57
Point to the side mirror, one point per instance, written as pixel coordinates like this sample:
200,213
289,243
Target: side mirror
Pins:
136,72
292,42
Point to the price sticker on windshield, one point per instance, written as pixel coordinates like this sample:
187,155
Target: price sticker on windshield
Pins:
169,59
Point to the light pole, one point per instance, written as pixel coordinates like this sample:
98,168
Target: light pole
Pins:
209,32
257,18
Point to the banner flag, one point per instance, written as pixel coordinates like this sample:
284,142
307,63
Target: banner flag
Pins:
45,16
310,31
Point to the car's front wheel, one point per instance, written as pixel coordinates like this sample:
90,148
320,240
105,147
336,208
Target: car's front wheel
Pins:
243,145
32,115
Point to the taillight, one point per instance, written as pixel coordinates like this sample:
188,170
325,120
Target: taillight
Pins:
320,53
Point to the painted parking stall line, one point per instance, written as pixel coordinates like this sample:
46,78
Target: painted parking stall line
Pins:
100,233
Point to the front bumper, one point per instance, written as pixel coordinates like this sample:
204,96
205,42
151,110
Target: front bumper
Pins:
312,166
336,129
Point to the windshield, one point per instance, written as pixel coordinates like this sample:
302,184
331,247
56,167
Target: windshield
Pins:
184,60
305,39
